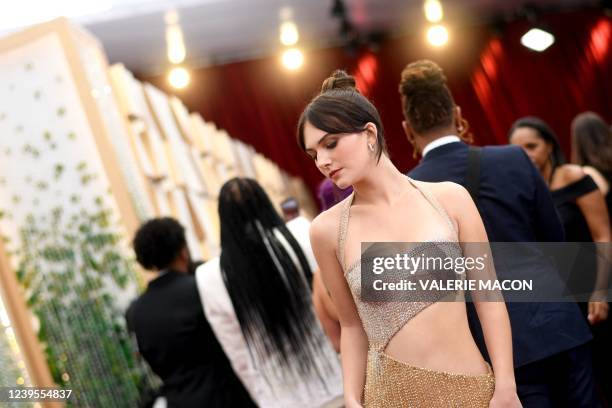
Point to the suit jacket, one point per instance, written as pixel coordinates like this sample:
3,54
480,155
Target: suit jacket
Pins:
515,206
176,340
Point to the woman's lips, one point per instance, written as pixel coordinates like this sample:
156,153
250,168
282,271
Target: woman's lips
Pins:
333,173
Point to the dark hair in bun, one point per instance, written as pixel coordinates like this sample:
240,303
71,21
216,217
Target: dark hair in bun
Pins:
426,100
339,80
340,108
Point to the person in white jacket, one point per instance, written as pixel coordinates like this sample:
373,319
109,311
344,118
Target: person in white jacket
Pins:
257,298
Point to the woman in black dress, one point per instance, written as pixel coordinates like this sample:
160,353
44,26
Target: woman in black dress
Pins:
592,150
582,210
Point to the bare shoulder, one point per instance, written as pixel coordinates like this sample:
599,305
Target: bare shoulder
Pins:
446,191
325,225
569,173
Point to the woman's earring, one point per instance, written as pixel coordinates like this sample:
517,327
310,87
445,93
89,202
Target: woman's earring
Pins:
371,146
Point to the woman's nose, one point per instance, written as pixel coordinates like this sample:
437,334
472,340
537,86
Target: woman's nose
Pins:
323,160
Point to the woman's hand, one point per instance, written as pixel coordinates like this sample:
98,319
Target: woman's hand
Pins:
505,398
598,311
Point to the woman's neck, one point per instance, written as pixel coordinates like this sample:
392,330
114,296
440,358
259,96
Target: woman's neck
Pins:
547,172
383,183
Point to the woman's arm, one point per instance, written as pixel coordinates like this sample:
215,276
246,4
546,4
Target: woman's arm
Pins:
593,207
326,311
353,340
493,315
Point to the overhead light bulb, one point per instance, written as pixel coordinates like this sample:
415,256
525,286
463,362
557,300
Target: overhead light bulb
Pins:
171,17
293,59
433,11
175,44
179,77
289,33
437,35
537,39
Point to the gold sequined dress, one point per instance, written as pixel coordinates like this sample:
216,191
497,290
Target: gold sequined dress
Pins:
394,384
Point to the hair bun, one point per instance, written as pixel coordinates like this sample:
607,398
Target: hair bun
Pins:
339,80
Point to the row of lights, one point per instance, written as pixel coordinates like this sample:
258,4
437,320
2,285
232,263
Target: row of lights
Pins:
178,76
536,39
437,34
292,58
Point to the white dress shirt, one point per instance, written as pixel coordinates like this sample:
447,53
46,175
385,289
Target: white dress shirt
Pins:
269,392
441,141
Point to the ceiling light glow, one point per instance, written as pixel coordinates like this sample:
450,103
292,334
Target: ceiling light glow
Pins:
437,35
433,11
175,44
289,33
537,39
179,77
293,59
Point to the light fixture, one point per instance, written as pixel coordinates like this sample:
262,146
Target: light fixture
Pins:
175,44
433,11
289,33
179,77
293,59
437,35
537,39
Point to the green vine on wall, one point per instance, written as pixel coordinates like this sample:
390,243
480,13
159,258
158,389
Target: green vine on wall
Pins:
68,265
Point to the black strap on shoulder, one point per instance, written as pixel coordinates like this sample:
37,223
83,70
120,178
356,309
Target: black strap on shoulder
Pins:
472,173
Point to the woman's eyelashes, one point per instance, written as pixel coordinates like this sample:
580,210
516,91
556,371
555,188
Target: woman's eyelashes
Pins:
331,144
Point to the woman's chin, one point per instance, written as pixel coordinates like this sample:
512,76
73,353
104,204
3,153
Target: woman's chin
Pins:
341,184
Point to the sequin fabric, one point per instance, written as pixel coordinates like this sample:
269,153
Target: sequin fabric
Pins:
391,383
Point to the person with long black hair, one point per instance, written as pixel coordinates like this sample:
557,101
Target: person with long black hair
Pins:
257,297
171,331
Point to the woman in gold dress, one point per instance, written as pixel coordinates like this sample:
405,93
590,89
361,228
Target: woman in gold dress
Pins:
418,353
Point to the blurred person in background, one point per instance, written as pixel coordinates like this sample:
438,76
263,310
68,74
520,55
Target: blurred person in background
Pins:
171,331
257,297
579,202
582,209
592,150
290,208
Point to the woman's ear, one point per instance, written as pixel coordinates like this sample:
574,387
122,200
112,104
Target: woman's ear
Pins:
372,133
549,148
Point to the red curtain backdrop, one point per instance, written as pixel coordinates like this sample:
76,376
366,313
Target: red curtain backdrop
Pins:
493,78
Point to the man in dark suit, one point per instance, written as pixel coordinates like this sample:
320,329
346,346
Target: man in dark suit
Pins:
171,330
553,365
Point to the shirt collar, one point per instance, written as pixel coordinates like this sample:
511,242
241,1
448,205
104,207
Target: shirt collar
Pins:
441,141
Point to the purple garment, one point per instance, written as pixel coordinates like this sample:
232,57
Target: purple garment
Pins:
329,195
